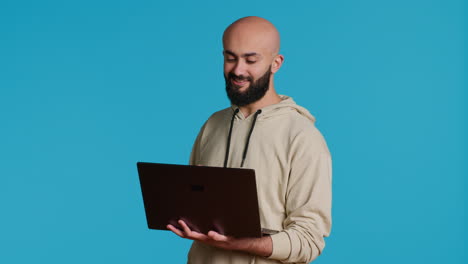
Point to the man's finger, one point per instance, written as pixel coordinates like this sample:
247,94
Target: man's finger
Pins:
175,230
198,236
217,236
192,234
185,228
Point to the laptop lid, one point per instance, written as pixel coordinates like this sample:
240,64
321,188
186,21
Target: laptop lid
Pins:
206,198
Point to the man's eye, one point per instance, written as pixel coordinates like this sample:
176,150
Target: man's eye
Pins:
230,59
251,61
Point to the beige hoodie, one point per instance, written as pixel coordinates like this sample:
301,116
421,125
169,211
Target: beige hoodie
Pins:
293,174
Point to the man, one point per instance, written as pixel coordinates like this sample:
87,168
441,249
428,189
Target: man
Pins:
271,134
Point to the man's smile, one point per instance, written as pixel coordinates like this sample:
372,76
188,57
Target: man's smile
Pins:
239,82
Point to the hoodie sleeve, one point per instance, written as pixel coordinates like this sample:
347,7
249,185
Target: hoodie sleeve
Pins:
308,202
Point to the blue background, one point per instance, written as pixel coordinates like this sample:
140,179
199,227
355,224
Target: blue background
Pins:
88,88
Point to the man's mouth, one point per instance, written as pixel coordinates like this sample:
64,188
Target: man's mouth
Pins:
240,82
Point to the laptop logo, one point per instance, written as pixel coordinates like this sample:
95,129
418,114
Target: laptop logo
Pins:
197,188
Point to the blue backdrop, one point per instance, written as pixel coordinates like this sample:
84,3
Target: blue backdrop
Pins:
88,88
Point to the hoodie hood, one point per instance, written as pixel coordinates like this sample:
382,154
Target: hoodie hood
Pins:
287,105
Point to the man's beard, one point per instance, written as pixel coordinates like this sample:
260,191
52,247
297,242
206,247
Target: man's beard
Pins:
253,93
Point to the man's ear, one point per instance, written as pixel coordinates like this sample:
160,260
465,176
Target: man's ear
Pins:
277,62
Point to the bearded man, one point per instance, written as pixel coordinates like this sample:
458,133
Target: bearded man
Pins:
271,134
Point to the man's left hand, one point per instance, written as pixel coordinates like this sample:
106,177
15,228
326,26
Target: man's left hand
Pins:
259,246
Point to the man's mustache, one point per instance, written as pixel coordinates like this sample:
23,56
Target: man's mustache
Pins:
239,77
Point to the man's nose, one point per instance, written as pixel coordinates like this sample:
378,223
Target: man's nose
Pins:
240,69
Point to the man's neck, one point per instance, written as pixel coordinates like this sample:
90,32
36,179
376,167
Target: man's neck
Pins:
270,98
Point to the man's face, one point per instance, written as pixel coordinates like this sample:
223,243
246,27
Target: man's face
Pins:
247,77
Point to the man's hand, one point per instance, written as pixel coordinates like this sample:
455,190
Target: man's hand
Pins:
258,246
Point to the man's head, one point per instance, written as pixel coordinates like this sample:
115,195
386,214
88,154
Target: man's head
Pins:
251,46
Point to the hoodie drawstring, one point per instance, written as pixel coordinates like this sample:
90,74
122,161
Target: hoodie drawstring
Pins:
229,138
248,137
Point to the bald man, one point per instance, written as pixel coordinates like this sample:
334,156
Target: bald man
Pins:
271,134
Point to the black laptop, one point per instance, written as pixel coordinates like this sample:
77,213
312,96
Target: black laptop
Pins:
206,198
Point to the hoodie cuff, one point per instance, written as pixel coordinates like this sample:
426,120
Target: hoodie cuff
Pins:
281,246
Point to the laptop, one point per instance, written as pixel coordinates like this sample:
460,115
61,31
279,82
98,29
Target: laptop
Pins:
206,198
